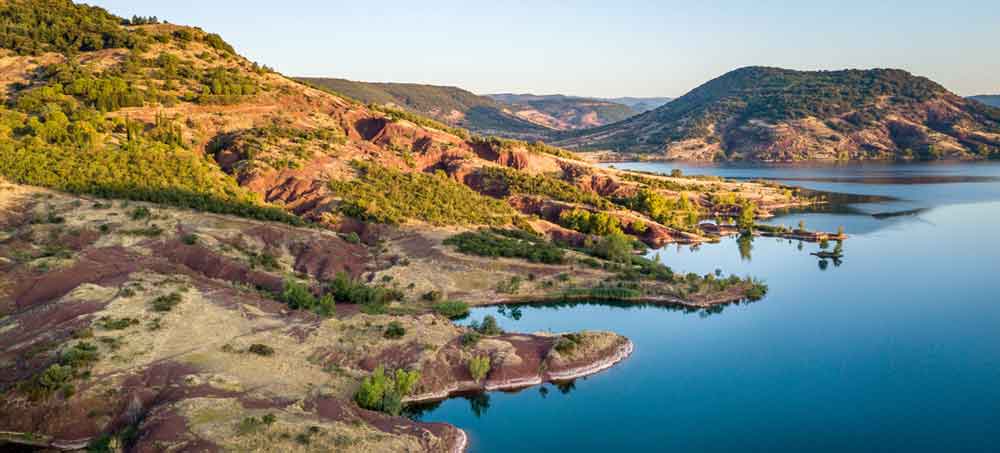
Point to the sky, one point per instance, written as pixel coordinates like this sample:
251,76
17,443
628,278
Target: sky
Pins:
596,48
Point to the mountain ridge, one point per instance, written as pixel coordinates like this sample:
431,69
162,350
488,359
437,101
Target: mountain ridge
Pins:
762,113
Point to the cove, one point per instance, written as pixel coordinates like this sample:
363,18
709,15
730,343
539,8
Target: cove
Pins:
895,348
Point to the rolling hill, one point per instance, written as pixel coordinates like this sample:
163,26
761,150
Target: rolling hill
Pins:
199,253
451,105
560,112
772,114
638,104
988,99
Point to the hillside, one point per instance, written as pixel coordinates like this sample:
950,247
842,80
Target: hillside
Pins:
773,114
988,99
198,253
639,105
561,112
451,105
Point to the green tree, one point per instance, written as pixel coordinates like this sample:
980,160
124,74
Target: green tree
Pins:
479,367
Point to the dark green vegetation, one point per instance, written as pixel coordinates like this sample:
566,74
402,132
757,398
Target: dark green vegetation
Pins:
73,364
385,392
731,111
55,134
509,181
341,290
384,195
166,302
298,296
488,327
496,242
477,113
30,27
452,309
680,213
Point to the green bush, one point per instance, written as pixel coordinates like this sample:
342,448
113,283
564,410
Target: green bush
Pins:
500,243
470,338
488,327
479,367
346,290
452,309
394,330
166,302
584,221
382,392
298,296
261,349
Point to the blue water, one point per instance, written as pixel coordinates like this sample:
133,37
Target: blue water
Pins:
897,348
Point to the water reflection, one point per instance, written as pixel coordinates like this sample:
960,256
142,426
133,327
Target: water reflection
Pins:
745,243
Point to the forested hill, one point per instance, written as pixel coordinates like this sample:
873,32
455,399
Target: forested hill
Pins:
450,105
763,113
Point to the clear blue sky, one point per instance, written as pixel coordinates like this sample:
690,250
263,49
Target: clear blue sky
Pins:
605,48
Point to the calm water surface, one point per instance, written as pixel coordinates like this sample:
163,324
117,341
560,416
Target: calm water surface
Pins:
897,348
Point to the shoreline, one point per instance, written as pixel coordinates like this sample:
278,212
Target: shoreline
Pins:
620,353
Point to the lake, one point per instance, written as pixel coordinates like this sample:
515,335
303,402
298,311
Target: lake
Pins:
895,348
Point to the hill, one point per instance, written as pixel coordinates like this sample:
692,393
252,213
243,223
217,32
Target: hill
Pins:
988,99
640,105
451,105
561,112
198,253
773,114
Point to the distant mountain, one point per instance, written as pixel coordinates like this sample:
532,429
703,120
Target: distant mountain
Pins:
773,114
988,99
451,105
561,112
640,105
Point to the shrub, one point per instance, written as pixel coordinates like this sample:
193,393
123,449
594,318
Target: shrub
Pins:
565,344
385,393
584,221
190,239
344,289
507,243
452,309
510,286
394,330
479,367
140,212
470,338
298,296
433,296
107,323
488,327
261,349
615,247
166,302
